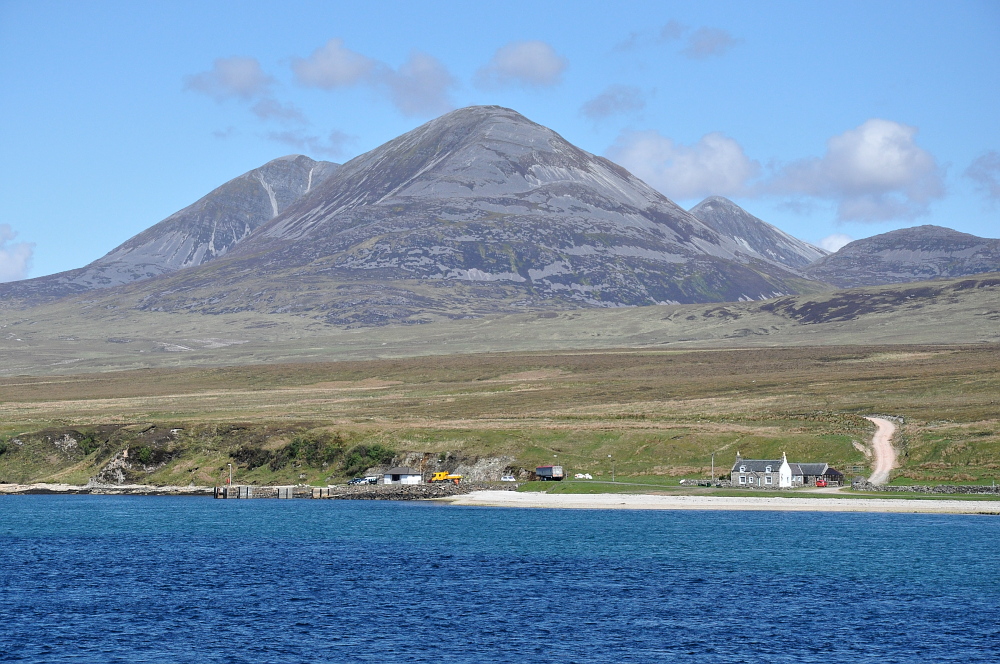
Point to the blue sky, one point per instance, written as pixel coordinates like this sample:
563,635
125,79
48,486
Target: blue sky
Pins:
830,120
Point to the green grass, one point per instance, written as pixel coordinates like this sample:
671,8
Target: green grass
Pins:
659,414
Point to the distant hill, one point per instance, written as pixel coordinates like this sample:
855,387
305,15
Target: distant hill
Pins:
201,232
908,254
754,236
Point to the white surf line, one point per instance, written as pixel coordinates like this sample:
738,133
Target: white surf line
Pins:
885,455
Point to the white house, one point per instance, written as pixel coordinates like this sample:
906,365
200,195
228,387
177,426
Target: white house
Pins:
783,474
402,475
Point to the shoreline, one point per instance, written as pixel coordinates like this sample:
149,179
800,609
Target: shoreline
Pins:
51,489
731,503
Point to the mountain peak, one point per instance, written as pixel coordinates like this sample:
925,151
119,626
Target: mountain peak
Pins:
757,238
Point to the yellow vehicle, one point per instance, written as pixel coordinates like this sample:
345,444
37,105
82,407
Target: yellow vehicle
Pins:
444,476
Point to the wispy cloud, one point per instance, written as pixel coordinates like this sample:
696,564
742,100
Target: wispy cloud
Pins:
673,29
238,77
15,257
334,66
708,42
874,172
715,165
272,109
615,99
420,86
985,172
335,144
696,44
522,63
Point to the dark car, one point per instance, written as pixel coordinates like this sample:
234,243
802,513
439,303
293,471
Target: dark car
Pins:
358,480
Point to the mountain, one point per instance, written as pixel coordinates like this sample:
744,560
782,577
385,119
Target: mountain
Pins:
201,232
754,236
908,254
478,211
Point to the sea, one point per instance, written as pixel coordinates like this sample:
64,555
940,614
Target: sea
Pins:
182,579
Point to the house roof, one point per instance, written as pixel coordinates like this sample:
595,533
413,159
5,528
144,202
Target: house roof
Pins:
798,469
757,465
402,470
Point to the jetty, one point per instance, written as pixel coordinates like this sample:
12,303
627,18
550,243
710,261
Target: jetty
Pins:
359,492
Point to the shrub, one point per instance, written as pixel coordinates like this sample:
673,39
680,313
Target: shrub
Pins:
313,450
361,457
252,457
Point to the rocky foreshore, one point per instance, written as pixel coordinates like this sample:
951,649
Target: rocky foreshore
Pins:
106,489
414,491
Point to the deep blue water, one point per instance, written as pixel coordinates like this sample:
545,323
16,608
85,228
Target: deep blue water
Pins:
132,579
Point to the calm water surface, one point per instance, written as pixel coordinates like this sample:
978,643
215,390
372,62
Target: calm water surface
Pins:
133,579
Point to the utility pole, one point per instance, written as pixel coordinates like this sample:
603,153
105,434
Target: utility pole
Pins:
713,467
230,474
612,467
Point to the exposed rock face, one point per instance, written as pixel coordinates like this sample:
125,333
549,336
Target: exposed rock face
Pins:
909,254
756,238
201,232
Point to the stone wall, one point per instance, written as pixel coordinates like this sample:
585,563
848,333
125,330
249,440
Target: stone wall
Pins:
945,489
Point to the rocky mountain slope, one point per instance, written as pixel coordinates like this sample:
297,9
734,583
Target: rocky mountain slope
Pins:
478,211
908,254
755,237
201,232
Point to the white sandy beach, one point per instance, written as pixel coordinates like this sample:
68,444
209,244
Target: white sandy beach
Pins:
655,502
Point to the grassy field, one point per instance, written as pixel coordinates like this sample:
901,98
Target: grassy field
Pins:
86,334
660,414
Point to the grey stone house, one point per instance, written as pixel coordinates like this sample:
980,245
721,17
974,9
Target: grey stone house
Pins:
780,473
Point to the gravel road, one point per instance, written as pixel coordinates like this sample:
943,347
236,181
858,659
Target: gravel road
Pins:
885,455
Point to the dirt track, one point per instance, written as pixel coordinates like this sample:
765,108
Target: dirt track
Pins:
885,455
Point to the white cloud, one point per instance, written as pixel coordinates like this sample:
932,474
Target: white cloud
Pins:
706,42
985,172
231,77
614,100
526,63
875,172
333,66
15,258
714,166
835,242
334,145
421,86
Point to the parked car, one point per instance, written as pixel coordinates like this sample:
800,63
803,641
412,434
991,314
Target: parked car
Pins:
820,483
508,478
357,480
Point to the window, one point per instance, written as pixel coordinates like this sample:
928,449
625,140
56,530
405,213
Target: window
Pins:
743,469
767,480
743,479
751,479
767,470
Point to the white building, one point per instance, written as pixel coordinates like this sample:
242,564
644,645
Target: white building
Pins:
402,475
